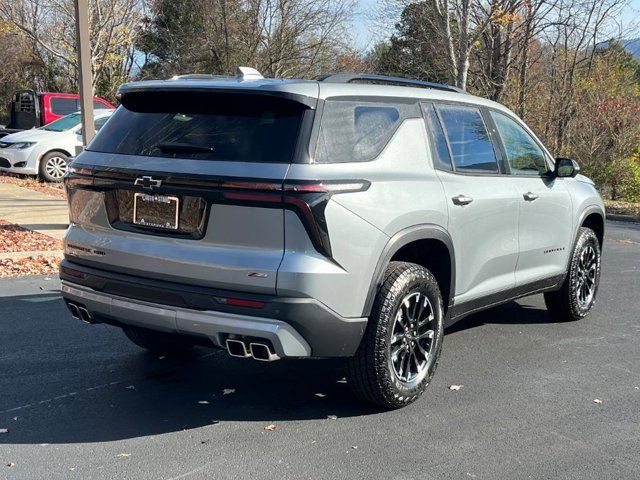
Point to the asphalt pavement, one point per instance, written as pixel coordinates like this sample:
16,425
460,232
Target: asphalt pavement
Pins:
80,401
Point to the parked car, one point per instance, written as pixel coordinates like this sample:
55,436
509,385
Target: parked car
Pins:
45,151
30,109
352,216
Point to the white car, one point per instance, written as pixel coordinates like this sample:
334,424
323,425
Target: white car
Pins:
45,151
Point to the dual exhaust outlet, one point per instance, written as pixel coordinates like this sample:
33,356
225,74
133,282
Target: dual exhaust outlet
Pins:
236,347
256,350
79,312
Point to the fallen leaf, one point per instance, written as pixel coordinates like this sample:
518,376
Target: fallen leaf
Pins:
203,402
123,455
332,417
4,430
228,391
455,387
598,401
271,427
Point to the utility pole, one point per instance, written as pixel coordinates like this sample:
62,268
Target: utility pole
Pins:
84,70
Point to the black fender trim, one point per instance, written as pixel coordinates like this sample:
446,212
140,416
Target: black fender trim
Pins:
583,215
426,231
588,211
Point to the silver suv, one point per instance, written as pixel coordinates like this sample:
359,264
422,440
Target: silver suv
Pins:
351,216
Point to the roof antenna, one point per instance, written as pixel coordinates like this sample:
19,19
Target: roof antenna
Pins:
248,73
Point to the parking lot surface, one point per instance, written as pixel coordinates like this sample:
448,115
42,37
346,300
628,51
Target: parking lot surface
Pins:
80,401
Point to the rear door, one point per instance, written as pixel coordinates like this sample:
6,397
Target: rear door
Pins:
545,222
187,187
483,204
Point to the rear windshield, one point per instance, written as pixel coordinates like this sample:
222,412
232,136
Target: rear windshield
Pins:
203,126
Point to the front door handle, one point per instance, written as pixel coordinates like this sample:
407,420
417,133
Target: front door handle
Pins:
530,196
462,200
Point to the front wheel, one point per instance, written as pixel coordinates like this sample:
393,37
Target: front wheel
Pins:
53,167
399,352
576,297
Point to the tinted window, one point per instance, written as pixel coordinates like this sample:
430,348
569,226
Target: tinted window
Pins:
240,127
100,122
64,106
468,139
64,123
358,131
98,105
524,155
441,156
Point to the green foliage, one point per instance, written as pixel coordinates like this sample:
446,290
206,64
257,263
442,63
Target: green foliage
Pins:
414,50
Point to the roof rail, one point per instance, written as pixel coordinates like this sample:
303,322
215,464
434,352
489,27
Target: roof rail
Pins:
385,80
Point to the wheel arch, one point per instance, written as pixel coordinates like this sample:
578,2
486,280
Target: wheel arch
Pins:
53,150
415,244
593,218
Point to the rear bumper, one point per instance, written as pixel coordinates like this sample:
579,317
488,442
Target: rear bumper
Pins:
297,327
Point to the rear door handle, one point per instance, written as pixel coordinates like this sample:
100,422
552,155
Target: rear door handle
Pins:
462,200
530,196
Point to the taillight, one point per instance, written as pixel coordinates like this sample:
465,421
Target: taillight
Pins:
308,199
330,186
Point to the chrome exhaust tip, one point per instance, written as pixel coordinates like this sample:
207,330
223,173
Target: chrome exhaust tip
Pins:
73,308
85,316
262,352
237,348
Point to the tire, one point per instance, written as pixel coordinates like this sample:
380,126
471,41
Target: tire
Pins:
373,374
53,166
158,342
577,296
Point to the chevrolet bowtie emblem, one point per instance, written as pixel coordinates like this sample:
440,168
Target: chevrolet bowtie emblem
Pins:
147,182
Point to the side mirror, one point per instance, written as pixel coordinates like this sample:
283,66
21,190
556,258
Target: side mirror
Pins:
566,167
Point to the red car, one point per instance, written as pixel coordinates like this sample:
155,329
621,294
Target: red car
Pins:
31,109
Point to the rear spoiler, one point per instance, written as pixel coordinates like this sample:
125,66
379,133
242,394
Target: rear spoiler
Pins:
304,92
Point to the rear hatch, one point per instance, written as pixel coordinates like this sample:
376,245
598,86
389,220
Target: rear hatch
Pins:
186,186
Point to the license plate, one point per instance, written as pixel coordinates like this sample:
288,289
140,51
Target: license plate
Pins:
159,211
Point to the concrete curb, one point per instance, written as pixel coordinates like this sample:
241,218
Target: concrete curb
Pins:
616,217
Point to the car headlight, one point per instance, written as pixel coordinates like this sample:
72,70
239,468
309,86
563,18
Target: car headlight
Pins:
22,145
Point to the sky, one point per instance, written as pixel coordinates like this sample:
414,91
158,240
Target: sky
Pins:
365,37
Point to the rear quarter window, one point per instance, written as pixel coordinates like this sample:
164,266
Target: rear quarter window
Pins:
358,131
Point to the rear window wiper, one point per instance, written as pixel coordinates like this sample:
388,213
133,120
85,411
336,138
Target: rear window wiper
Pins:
182,148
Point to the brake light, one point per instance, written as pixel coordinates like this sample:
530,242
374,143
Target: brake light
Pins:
327,186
